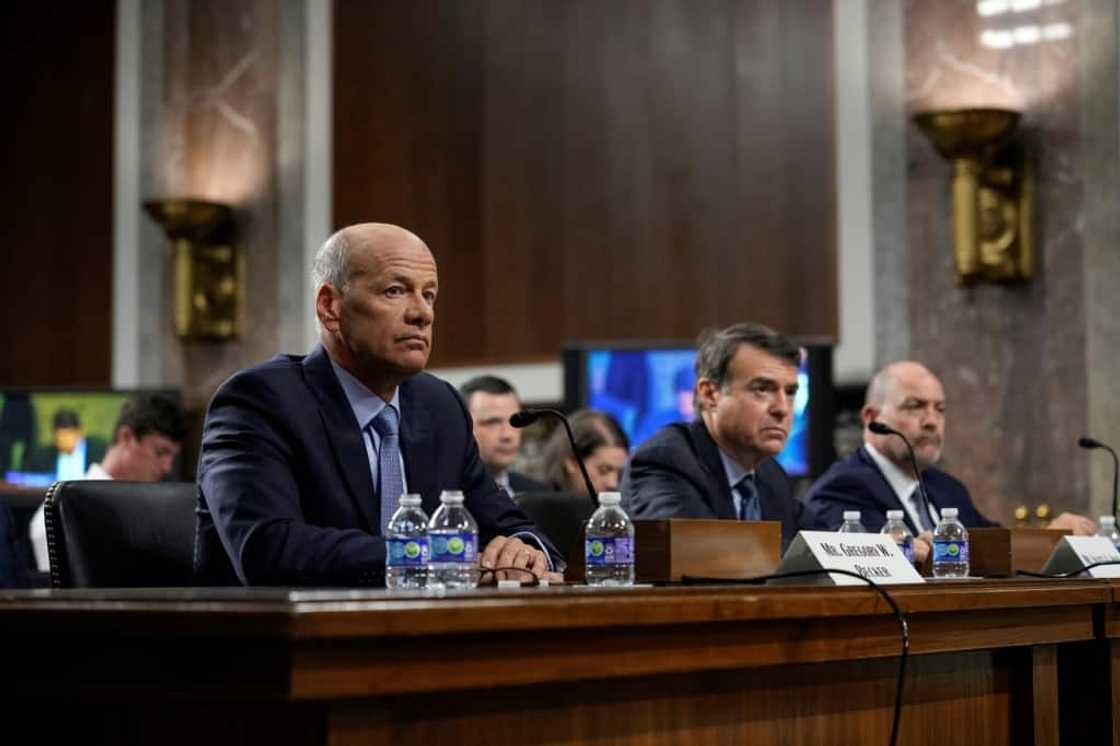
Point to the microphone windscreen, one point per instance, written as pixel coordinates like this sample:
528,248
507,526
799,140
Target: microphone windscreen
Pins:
523,418
1086,442
879,428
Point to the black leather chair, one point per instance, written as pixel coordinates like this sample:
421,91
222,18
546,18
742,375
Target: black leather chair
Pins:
110,534
559,515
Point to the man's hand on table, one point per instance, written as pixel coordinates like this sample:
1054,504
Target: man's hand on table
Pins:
509,551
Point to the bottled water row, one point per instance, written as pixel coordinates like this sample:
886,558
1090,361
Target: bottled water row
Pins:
437,553
950,540
443,552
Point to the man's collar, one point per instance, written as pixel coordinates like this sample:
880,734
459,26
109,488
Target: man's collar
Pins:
365,403
502,480
732,468
902,482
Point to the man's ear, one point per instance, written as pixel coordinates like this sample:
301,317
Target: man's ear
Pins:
327,304
869,414
706,390
126,436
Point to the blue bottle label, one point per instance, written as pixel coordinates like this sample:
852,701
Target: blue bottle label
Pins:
950,550
907,548
461,546
609,551
407,552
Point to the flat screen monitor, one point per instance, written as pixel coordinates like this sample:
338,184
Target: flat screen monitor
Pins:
52,434
647,386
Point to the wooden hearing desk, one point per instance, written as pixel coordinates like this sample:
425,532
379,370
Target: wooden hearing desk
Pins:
566,665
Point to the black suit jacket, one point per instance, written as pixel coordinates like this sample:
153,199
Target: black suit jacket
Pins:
678,473
518,482
285,492
857,483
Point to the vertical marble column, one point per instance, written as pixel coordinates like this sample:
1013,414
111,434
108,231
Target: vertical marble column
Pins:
1027,368
222,112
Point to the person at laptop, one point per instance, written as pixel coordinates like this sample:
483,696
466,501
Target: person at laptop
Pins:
148,436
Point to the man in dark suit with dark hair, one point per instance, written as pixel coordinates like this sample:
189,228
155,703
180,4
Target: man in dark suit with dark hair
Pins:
491,401
304,458
879,476
721,465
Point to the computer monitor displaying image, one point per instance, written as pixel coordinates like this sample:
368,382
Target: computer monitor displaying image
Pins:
52,434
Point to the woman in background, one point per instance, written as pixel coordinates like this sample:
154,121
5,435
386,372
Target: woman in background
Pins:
599,441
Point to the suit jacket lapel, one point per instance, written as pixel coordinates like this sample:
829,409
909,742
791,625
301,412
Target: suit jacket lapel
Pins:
418,448
344,434
708,453
885,494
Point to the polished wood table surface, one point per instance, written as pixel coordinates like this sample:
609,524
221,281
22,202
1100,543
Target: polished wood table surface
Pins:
563,665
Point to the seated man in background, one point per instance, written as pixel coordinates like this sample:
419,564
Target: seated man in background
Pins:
304,458
146,439
491,401
722,465
879,476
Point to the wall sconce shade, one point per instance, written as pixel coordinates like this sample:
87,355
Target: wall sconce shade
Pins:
209,270
993,192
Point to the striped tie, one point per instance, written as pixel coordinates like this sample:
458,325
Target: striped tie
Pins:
749,509
390,480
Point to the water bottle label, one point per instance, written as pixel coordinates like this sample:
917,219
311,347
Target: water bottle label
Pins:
609,551
407,552
907,548
950,550
461,546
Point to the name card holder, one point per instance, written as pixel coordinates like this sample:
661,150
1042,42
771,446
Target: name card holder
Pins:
667,549
1075,553
1002,552
873,556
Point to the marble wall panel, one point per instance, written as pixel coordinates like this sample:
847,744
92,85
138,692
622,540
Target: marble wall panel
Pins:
1013,358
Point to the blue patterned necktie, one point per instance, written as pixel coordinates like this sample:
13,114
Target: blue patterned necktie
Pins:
749,509
925,520
390,480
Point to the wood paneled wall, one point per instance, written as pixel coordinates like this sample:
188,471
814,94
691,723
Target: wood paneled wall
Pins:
56,136
595,170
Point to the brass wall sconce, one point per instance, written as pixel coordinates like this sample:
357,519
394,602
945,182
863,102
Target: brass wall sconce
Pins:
209,270
993,192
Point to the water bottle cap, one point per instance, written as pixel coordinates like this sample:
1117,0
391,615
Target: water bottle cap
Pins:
1107,519
451,496
949,513
410,500
610,498
851,515
894,515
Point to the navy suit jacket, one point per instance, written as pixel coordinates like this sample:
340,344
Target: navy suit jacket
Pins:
678,473
857,483
518,482
285,492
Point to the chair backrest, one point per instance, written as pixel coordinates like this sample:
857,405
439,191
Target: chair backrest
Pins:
559,515
110,534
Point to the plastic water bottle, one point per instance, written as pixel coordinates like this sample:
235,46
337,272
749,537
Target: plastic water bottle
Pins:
1107,527
406,546
896,527
851,524
950,547
453,544
609,544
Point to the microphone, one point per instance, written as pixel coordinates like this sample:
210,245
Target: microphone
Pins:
881,428
1091,443
528,416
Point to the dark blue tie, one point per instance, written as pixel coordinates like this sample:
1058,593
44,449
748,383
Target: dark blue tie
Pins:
749,509
390,485
925,522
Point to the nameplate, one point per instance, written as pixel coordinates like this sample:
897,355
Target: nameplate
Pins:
1075,553
873,556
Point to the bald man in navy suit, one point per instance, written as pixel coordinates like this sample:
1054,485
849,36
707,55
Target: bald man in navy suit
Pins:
879,476
297,452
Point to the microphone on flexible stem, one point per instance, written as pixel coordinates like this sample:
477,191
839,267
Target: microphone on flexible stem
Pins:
528,416
880,428
1091,443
